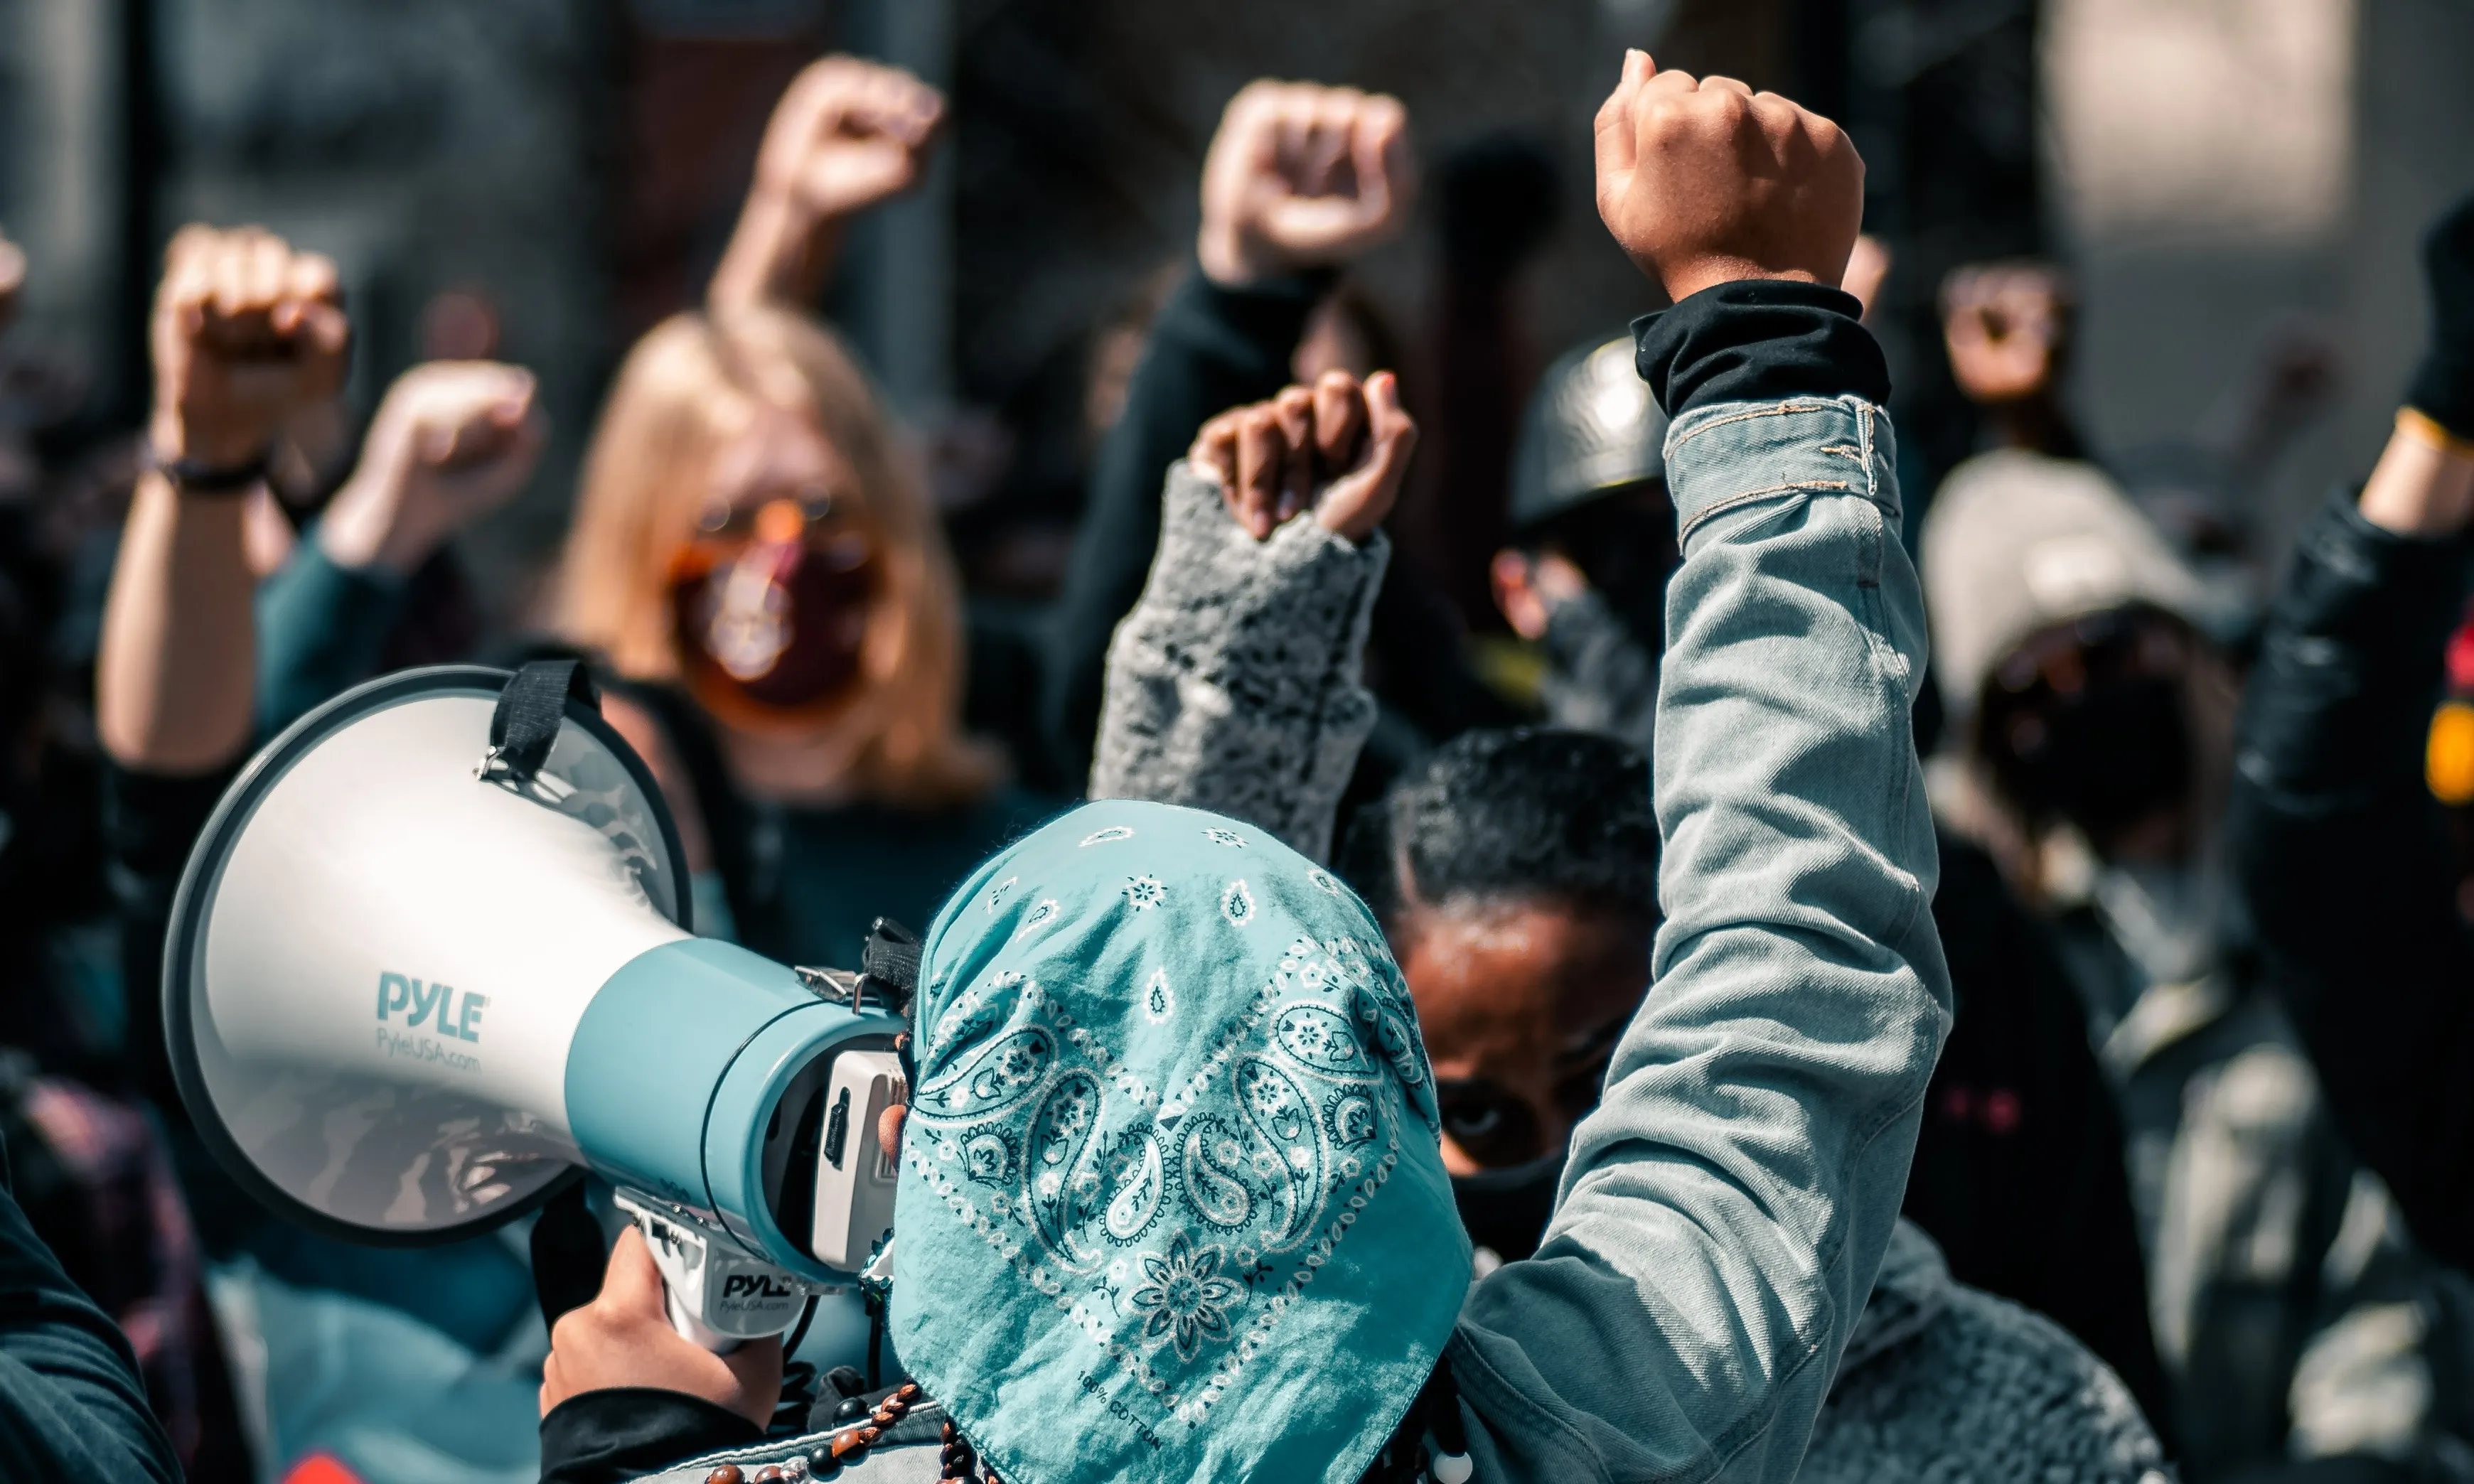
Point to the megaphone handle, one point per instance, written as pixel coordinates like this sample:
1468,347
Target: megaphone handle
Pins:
689,1327
668,1245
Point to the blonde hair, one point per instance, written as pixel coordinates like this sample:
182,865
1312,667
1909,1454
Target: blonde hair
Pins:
688,387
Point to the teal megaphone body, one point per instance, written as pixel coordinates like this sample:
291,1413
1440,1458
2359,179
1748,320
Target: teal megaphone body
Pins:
416,983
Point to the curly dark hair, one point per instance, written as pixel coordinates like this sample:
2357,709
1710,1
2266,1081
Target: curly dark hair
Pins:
1536,812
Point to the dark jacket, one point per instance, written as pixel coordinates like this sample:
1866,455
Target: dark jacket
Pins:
2019,1167
71,1405
1211,349
2341,849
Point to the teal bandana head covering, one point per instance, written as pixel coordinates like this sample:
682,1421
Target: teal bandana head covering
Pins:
1172,1204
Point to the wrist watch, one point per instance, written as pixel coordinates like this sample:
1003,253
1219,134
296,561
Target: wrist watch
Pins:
197,476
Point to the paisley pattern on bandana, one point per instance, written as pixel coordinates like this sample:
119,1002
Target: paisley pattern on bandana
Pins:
1237,904
1159,1110
1306,1096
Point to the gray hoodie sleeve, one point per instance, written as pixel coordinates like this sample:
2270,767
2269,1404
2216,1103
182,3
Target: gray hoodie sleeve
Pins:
1728,1204
1235,684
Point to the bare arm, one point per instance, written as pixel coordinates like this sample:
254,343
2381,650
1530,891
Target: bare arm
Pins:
245,331
173,691
2424,481
846,136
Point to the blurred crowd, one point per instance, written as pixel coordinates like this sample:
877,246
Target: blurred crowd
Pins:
2203,838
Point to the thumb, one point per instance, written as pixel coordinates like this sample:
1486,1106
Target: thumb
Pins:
1358,502
328,327
1392,431
1617,141
433,445
632,1284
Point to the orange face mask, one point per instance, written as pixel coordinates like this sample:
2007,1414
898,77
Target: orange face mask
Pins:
771,629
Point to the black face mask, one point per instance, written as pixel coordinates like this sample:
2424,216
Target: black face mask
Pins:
1506,1209
2121,754
1625,545
2092,728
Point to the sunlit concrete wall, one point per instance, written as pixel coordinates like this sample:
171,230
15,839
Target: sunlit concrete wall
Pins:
2236,174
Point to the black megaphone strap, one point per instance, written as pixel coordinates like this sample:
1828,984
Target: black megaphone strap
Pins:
525,725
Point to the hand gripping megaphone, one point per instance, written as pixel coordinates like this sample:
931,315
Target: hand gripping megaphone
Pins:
430,962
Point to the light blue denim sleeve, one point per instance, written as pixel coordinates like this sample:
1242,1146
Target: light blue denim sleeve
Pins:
1727,1206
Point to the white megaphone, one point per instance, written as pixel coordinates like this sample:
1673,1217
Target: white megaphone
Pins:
430,962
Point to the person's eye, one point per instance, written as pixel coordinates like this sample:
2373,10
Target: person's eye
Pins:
1487,1122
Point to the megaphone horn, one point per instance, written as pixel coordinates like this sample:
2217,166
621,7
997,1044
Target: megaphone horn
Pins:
431,960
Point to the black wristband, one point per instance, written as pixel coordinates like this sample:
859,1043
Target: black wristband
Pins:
195,476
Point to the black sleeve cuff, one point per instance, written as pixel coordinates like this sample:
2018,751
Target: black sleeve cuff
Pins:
2353,658
149,820
607,1437
1760,340
2442,390
1253,328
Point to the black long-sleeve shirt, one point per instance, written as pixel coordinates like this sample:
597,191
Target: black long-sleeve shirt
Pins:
1211,349
2342,853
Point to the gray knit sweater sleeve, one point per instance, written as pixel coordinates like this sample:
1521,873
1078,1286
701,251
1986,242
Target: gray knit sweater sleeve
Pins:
1234,685
1944,1381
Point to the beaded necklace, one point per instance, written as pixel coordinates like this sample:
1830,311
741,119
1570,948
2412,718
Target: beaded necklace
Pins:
849,1445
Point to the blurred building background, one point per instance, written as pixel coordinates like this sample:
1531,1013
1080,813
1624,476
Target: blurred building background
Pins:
2236,183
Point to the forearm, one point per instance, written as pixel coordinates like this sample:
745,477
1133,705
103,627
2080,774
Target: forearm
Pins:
1727,1206
778,254
2423,485
173,676
2349,877
1213,347
1234,685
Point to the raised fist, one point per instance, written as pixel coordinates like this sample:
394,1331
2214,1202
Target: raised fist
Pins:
1705,181
452,441
1528,588
847,134
2004,324
13,277
1303,175
1339,448
246,332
